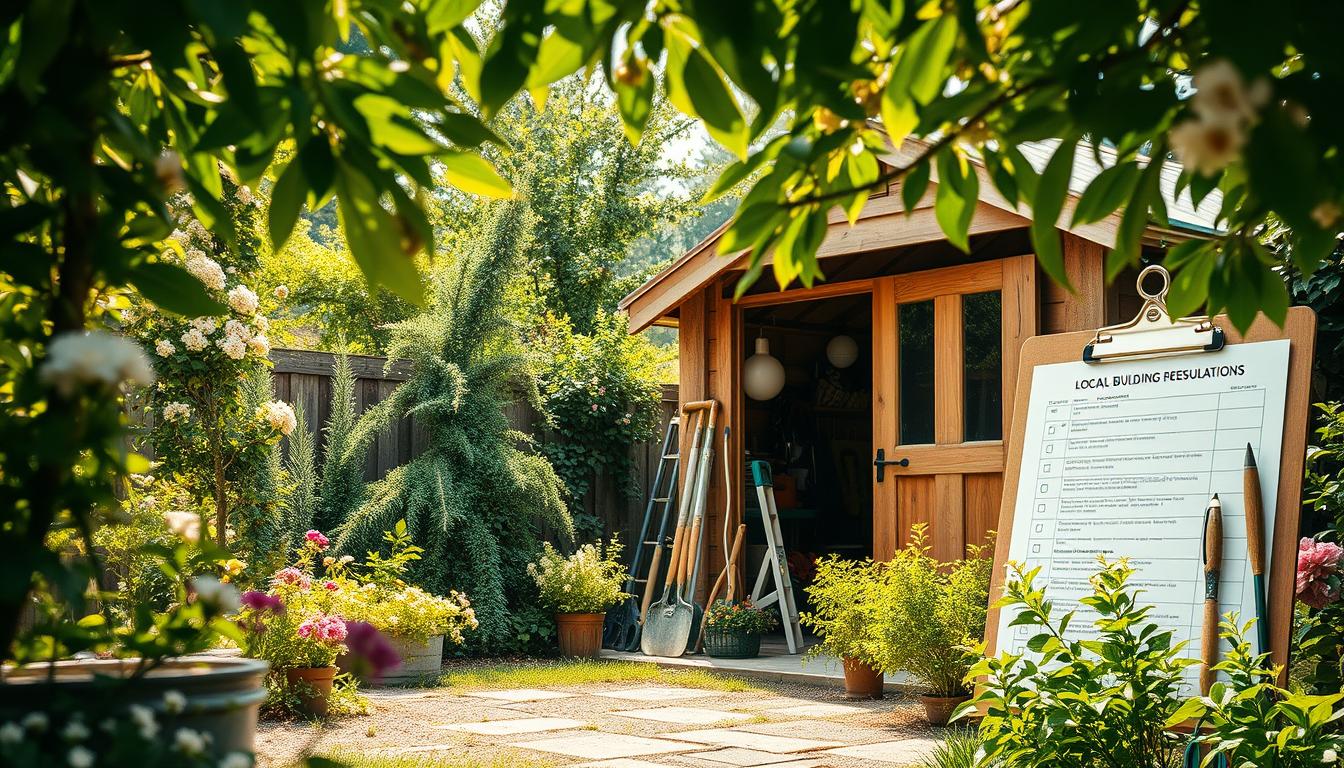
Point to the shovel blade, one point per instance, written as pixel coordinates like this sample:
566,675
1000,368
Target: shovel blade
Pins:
667,629
621,619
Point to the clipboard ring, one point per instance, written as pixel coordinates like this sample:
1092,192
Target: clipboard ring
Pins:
1154,332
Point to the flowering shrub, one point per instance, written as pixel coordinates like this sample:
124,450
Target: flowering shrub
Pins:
215,426
134,735
739,617
1320,565
588,581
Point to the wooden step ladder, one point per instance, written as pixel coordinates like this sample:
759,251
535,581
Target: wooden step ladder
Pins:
775,563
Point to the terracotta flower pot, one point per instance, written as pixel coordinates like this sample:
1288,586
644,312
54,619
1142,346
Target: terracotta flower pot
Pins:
580,634
938,709
312,686
862,681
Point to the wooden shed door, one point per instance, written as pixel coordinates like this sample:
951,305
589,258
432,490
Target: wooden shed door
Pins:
945,356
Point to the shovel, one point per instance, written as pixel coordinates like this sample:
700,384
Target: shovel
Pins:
696,555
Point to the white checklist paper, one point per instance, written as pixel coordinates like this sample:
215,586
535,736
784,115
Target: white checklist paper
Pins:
1120,459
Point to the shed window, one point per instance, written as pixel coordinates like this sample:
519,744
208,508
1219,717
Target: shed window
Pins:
915,354
981,322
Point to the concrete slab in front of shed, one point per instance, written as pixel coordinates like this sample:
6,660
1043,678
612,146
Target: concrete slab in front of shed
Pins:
684,715
904,751
515,725
607,746
657,693
745,758
623,762
730,737
816,709
522,694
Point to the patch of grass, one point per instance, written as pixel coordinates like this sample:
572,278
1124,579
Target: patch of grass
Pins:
548,674
352,759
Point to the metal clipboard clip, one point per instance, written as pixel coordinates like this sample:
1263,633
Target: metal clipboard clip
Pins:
1154,332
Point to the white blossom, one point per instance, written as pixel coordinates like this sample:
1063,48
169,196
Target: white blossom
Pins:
216,594
1329,756
143,717
194,340
11,733
263,325
1207,147
279,415
242,300
234,347
129,315
1221,95
197,230
174,702
187,525
188,742
164,348
237,329
206,325
75,731
179,236
236,760
260,345
78,358
168,170
282,292
36,722
80,757
175,411
205,269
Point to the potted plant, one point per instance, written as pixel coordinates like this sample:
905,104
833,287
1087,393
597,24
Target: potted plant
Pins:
414,621
733,630
932,613
844,613
580,588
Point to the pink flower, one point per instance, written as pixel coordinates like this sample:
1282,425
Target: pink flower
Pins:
594,406
291,576
317,538
601,390
1318,572
328,630
330,586
262,602
371,654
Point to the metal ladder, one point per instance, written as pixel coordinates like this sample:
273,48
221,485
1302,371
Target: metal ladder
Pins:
775,563
662,497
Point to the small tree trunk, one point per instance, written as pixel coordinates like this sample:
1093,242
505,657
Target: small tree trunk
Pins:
221,503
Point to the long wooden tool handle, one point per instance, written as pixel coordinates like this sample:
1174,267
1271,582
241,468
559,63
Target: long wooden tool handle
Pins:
738,542
1213,563
1255,513
725,576
649,586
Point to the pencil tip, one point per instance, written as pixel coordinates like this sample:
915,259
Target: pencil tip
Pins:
1250,457
1215,497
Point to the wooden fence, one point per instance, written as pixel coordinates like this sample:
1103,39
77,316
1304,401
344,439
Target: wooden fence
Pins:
303,378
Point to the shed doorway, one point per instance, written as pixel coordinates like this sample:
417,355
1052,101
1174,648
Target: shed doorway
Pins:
816,432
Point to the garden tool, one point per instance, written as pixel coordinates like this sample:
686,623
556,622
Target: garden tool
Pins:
1255,543
704,471
667,624
1213,563
727,575
621,629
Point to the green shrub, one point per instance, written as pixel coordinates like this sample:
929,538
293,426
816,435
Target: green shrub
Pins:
932,613
342,487
844,612
588,581
959,748
1102,701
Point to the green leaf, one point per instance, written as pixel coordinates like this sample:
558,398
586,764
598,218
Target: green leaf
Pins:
473,174
956,197
917,75
173,289
696,88
557,57
750,225
1129,236
467,130
286,201
42,32
392,127
634,101
373,236
739,170
1273,295
914,184
1190,283
445,14
1046,204
1107,191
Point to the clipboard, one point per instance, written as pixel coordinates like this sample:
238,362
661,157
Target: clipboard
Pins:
1153,334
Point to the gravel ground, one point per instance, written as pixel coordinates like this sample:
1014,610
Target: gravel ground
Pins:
399,719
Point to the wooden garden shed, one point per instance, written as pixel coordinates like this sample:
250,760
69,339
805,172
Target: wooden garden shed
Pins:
937,333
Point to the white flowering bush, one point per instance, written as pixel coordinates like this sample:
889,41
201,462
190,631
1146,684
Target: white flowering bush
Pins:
588,581
213,423
141,734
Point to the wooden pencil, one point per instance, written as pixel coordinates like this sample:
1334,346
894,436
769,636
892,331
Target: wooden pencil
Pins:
1213,563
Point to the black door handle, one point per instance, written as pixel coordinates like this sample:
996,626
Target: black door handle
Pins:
882,461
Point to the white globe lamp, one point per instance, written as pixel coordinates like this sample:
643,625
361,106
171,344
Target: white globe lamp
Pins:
762,375
842,351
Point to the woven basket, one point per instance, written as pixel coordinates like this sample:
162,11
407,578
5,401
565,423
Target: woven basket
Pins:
732,643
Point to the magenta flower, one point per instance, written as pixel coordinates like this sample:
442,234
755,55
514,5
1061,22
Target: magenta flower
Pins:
1318,572
291,576
371,655
317,538
261,602
330,586
328,630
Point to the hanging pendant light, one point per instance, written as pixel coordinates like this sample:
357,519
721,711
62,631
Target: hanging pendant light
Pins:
762,375
842,351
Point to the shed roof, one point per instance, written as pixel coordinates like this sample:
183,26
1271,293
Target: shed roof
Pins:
691,271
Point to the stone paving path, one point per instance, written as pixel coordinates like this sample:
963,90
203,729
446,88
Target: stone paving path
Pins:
628,726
